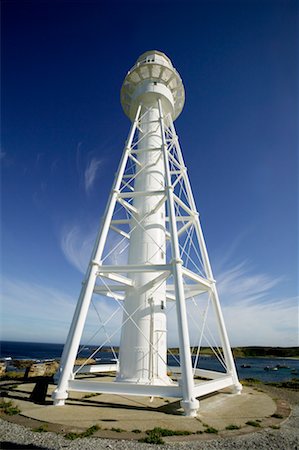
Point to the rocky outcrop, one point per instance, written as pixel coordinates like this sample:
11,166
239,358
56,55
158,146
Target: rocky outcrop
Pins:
2,368
45,369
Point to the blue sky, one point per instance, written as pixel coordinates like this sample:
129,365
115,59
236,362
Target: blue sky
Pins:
63,130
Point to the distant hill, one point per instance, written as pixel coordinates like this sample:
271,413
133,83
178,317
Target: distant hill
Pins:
256,351
283,352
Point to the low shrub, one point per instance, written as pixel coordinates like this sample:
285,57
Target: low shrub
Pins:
232,427
8,408
41,429
253,423
89,432
211,430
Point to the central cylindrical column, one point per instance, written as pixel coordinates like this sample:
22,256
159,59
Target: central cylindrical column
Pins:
143,346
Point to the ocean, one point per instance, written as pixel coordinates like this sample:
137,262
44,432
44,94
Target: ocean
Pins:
254,367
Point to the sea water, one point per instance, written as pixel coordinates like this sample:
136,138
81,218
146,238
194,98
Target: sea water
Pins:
44,351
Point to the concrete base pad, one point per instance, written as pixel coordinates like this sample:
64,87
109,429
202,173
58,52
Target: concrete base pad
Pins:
130,413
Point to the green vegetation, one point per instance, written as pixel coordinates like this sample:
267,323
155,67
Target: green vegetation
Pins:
41,429
155,435
71,436
248,352
253,423
232,427
8,408
89,432
250,381
275,427
91,394
291,384
117,430
136,431
211,430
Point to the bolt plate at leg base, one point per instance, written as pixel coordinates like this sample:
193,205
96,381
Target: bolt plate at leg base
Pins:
190,407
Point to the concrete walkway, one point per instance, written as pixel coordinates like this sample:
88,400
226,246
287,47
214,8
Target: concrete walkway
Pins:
140,413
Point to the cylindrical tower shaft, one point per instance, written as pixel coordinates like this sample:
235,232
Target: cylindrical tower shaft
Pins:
143,346
143,341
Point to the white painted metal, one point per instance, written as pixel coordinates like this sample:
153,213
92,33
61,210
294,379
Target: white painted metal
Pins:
138,358
153,192
73,340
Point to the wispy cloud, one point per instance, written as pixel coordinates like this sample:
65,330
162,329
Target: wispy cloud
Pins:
77,245
31,310
254,314
35,312
91,172
238,283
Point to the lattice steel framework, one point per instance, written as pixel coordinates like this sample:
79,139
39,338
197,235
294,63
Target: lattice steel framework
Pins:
156,260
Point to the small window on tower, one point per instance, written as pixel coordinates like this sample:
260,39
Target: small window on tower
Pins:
162,304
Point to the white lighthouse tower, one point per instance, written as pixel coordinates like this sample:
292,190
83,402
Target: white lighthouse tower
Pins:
152,212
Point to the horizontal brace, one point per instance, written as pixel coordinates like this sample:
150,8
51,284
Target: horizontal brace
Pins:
207,387
125,388
176,172
152,283
195,277
190,290
141,150
209,374
135,160
183,205
126,184
98,368
185,227
127,205
114,276
129,175
98,289
121,221
181,218
121,232
136,268
140,194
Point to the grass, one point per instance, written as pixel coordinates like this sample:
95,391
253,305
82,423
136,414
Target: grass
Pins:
211,430
253,423
290,384
245,381
92,394
275,427
8,408
89,432
136,431
232,427
117,430
41,429
155,435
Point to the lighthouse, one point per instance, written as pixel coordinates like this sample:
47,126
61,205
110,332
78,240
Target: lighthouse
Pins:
152,209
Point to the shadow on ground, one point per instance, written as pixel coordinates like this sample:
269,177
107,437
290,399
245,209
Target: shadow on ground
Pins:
5,445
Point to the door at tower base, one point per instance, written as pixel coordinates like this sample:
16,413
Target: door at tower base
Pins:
149,285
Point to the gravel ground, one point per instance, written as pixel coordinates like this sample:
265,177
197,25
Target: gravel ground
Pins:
286,438
15,436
